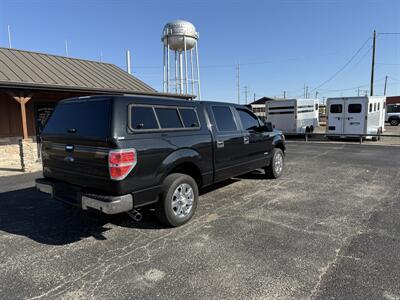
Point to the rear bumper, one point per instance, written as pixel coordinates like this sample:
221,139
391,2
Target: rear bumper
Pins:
75,196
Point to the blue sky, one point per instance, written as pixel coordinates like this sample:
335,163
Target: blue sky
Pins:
281,45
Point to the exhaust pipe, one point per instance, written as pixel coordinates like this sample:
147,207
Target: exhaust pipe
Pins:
135,215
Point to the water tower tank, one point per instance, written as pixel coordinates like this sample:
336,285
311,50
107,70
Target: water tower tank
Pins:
175,32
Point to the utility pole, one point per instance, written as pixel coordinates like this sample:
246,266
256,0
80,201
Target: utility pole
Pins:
246,91
358,92
316,94
238,83
306,91
254,98
384,91
66,48
284,94
373,64
128,62
9,37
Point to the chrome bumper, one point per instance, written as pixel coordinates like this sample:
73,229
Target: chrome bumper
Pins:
107,204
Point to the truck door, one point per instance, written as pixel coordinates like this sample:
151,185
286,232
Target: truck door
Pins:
257,145
335,116
228,142
354,116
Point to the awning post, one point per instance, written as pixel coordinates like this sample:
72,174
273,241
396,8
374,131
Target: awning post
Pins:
22,101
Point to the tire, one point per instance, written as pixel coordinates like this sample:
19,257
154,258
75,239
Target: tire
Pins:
311,129
394,122
275,170
173,211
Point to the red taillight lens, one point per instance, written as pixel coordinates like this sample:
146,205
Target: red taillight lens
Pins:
121,163
121,157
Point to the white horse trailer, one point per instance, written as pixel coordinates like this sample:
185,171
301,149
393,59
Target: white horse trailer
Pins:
293,116
355,115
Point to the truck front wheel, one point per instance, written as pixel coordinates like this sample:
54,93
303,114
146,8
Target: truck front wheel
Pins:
275,168
178,201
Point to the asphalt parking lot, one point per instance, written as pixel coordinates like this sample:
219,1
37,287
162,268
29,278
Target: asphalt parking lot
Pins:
329,228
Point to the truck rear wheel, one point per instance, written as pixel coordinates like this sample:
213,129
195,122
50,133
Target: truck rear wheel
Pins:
394,122
178,201
275,168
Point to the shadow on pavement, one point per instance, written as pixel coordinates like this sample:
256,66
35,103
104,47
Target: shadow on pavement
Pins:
30,213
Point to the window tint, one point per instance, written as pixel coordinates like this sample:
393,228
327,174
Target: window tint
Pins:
316,106
224,118
142,117
354,108
168,117
374,106
249,121
336,108
379,105
393,108
370,107
90,118
189,117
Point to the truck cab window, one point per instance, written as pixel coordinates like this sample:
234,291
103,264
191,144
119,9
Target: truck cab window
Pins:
168,118
224,118
370,107
249,121
142,117
336,108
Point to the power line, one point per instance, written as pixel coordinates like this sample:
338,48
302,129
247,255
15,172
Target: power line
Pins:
395,79
387,64
389,33
344,66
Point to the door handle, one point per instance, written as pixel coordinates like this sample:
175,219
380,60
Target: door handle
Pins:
220,144
246,139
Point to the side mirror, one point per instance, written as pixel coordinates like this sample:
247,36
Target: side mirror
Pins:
268,126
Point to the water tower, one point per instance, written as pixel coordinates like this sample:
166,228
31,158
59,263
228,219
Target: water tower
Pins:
181,37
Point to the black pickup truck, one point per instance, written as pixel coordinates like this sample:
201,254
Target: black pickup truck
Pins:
119,153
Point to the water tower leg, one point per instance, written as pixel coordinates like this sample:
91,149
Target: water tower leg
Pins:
180,72
186,66
176,72
164,70
192,71
198,72
167,65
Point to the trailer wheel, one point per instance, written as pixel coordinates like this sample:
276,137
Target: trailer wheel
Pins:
311,129
276,166
178,201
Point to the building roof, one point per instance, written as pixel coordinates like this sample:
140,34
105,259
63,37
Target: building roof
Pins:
33,70
262,100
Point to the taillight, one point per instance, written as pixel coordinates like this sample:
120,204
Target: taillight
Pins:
121,162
